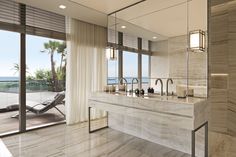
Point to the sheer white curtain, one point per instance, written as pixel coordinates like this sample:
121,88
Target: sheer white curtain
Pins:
86,67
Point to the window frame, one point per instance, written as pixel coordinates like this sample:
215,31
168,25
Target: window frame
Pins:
139,51
22,29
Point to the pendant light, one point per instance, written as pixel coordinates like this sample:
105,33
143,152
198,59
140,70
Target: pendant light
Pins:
197,41
111,51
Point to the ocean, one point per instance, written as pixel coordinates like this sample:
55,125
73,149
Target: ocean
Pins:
110,80
4,79
114,80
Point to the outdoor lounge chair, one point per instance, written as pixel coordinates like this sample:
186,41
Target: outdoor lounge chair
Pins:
40,108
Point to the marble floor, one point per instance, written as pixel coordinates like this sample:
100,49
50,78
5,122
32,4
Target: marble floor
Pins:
9,124
222,145
75,141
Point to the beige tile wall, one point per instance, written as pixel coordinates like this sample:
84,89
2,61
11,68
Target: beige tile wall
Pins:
222,60
170,60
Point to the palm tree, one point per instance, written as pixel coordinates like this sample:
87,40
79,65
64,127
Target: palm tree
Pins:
51,47
16,68
62,50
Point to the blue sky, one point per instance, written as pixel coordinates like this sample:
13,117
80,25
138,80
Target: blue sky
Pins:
10,51
35,59
130,65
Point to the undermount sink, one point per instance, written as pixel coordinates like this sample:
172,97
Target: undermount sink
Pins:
153,96
156,95
119,93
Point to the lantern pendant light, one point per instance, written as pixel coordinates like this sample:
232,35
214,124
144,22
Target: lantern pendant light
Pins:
197,41
111,51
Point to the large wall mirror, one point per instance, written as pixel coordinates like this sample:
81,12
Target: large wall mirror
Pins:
159,30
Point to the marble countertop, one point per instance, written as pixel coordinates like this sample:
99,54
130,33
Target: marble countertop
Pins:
157,97
169,104
154,97
191,110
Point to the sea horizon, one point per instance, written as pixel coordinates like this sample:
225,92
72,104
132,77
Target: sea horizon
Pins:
9,78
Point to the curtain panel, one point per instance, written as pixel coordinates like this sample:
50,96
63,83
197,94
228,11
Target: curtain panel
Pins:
86,67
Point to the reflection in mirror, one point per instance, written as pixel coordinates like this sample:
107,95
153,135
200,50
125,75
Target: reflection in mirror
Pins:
162,27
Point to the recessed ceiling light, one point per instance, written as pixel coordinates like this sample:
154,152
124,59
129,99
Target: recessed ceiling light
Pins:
154,37
62,6
123,27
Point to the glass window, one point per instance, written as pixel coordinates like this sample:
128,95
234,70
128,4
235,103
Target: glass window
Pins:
112,70
130,70
145,71
130,67
46,69
9,80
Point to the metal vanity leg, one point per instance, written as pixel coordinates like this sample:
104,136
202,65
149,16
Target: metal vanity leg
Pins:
89,122
206,139
193,144
194,141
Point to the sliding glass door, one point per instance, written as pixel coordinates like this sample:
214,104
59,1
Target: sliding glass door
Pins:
45,80
32,67
9,81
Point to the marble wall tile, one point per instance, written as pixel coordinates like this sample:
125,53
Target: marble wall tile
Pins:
231,120
232,82
231,96
218,68
218,82
218,95
219,54
231,52
172,55
218,2
217,22
177,44
219,117
159,60
198,65
232,68
222,59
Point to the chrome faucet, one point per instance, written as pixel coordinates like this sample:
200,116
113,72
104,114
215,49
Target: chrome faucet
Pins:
167,86
126,83
133,83
161,85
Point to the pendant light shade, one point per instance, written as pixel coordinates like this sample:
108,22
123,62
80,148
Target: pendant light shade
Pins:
111,53
197,41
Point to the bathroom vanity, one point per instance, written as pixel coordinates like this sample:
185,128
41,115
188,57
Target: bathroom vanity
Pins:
180,124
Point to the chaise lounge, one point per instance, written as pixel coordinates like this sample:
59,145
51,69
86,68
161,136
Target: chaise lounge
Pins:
40,108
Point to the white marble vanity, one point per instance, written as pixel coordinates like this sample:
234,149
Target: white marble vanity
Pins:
164,120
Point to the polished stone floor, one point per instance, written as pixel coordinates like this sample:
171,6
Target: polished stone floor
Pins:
75,141
222,145
8,124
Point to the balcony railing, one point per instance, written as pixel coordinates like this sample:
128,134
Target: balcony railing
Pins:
31,86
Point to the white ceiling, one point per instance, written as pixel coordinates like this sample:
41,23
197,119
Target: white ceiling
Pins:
168,17
160,17
72,9
106,6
